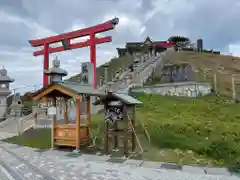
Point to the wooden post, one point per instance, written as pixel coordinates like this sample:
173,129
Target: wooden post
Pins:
106,149
215,82
53,124
233,88
133,126
125,129
78,106
89,109
66,111
115,137
89,118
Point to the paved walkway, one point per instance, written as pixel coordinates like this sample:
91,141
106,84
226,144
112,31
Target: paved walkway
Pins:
5,135
24,163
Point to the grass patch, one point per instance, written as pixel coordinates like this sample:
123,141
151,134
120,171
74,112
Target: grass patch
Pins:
202,130
36,138
208,126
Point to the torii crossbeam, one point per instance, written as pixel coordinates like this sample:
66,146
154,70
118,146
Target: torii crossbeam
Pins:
67,45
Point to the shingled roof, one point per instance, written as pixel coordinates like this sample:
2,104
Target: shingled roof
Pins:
126,99
148,41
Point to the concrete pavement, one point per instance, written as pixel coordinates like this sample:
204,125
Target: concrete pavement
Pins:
24,163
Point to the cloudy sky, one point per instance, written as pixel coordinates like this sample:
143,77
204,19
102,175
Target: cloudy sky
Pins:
216,21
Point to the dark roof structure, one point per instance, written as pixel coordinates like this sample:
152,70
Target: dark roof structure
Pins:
111,96
66,88
149,42
80,88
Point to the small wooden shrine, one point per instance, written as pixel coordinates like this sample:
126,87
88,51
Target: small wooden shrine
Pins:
73,132
119,121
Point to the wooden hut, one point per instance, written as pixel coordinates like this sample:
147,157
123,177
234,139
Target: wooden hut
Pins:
71,133
119,120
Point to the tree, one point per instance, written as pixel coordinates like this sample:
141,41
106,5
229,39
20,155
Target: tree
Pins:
180,41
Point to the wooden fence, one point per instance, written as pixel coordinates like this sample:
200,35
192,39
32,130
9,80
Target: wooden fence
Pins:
223,83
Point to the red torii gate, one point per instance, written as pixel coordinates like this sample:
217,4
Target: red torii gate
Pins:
66,44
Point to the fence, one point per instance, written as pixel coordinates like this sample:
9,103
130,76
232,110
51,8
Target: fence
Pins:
223,83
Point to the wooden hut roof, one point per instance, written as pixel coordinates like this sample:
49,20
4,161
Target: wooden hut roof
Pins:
71,89
126,99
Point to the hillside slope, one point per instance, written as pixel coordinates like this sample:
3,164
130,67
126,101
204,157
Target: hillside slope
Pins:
207,64
114,65
194,124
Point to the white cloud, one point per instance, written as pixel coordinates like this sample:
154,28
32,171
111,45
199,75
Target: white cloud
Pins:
168,8
5,17
39,31
159,19
76,26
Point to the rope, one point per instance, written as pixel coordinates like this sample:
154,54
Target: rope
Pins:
146,132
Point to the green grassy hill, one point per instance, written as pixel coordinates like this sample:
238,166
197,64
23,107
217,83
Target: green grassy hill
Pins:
208,126
208,65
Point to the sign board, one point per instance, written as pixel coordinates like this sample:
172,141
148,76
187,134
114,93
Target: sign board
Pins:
52,111
114,111
87,77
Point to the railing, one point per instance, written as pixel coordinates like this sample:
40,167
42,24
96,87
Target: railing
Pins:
155,63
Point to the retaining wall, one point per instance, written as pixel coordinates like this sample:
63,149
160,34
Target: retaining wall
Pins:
188,89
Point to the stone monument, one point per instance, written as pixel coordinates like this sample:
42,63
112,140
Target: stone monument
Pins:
5,80
55,73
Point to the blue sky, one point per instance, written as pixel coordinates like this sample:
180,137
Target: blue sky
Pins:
216,22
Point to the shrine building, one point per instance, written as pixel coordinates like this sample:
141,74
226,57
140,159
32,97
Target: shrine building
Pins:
147,47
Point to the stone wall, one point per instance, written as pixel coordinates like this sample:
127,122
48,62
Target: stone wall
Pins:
177,73
187,89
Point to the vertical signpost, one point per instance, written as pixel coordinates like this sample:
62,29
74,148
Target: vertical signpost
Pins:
87,77
66,38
